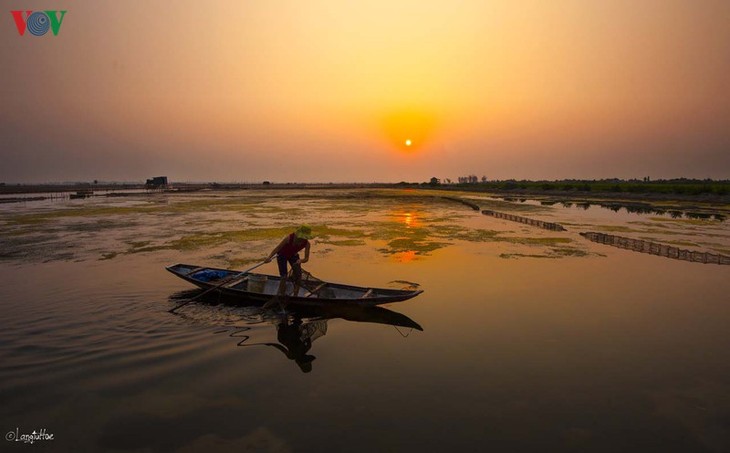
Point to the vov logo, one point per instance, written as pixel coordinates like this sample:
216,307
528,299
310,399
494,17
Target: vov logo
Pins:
39,22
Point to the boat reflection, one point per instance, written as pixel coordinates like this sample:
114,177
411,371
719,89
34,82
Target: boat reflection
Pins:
297,327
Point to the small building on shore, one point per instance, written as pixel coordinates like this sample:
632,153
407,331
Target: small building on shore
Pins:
157,183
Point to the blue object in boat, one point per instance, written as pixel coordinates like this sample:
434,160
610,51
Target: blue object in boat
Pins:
209,274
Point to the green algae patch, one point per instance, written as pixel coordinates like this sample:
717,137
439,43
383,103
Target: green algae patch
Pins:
152,248
200,240
553,253
420,247
406,239
524,255
44,217
535,241
560,252
252,234
677,243
617,229
478,235
511,207
138,244
390,222
144,246
428,238
343,242
242,262
151,207
274,235
445,219
324,232
24,231
684,221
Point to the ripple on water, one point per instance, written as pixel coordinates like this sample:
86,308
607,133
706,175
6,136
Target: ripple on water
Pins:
106,342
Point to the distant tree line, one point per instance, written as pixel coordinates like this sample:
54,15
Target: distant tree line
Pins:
471,179
682,186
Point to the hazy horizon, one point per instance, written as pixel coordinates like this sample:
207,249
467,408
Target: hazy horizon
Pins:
332,91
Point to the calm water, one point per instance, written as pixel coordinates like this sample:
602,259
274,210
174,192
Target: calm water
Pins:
531,340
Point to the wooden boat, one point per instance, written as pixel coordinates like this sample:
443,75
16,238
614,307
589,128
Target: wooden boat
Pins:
262,287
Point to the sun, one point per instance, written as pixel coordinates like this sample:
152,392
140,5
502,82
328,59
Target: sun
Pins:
408,129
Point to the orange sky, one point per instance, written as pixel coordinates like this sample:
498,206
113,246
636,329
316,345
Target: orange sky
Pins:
330,90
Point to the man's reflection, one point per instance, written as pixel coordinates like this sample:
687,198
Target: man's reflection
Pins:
297,330
296,339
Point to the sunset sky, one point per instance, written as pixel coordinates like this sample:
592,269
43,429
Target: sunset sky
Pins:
317,91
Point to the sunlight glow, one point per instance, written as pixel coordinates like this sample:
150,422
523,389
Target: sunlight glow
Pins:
539,90
408,128
405,257
408,218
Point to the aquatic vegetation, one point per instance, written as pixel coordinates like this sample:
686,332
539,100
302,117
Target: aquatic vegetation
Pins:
393,230
403,224
343,242
444,219
523,255
172,208
324,232
99,225
686,221
569,251
617,228
44,217
420,247
271,235
554,253
678,243
240,262
506,206
13,246
478,235
535,240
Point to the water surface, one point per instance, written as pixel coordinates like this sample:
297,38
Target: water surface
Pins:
531,340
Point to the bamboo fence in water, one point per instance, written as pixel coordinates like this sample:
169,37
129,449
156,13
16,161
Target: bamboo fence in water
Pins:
653,248
515,218
636,245
474,206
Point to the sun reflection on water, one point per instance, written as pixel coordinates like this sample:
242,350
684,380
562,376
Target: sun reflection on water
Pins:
408,218
405,257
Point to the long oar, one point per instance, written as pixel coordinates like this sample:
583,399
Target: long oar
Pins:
217,286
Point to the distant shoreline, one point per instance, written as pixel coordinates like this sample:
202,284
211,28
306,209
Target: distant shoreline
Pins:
576,196
555,194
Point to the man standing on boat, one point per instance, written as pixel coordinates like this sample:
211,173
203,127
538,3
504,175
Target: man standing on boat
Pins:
288,251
